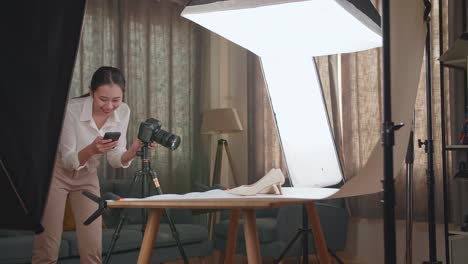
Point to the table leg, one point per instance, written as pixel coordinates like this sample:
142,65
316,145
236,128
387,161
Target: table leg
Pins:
232,237
251,237
319,238
151,232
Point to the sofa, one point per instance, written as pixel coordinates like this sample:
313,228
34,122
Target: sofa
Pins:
16,245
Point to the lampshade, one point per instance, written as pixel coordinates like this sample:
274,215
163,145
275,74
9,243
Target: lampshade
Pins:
456,55
221,120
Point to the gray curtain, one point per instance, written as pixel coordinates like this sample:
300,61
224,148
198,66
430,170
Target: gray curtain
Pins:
158,52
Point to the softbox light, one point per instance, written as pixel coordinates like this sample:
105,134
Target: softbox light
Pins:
286,35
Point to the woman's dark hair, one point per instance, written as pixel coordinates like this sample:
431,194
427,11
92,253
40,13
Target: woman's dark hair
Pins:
106,75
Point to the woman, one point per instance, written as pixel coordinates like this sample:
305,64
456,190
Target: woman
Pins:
81,145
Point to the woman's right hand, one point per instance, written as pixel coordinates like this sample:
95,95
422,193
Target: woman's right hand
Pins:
101,145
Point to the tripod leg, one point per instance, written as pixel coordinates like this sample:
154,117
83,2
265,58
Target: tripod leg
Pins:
335,256
218,161
291,242
175,234
115,237
116,234
233,170
144,194
216,180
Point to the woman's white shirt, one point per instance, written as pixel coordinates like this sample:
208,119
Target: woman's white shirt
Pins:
79,130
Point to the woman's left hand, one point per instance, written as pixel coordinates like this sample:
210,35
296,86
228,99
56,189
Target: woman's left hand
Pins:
152,145
137,144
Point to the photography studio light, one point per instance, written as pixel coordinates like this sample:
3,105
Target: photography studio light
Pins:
286,35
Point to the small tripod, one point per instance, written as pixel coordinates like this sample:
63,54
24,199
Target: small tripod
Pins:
144,174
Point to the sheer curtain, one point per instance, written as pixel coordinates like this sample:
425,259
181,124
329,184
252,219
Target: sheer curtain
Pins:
353,94
159,53
361,108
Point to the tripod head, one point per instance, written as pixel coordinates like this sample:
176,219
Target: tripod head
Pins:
143,153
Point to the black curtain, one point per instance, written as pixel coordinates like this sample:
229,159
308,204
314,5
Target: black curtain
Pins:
38,49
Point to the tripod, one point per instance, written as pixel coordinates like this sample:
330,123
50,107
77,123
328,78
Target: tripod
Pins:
143,175
303,232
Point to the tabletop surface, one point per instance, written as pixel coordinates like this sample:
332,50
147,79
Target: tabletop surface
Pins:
220,199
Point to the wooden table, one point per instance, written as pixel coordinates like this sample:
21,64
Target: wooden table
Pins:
246,205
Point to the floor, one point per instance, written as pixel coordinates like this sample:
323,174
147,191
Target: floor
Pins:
365,244
365,241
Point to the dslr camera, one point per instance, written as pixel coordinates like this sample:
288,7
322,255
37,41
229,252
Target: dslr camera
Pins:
150,131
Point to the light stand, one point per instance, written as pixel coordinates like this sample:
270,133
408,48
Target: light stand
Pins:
304,233
409,197
388,140
143,175
429,144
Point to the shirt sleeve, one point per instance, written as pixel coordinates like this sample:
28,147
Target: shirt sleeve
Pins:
114,157
67,143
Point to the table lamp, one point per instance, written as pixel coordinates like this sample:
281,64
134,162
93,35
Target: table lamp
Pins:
218,122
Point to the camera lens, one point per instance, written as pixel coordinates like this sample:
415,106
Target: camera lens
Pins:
167,139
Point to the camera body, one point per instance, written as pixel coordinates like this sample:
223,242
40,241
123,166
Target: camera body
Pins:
150,131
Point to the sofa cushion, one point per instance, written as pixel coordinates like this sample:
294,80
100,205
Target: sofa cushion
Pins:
188,234
266,229
13,232
18,248
128,240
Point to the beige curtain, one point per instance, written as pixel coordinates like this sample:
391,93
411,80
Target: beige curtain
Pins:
265,144
361,103
159,53
232,77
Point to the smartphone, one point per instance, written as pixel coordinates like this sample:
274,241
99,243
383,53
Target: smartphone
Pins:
112,135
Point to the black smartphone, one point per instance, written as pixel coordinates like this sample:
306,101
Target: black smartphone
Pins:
112,135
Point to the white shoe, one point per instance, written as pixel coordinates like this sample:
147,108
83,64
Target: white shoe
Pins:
268,184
